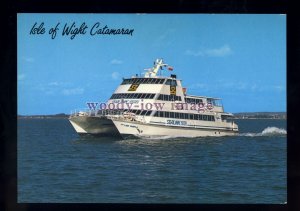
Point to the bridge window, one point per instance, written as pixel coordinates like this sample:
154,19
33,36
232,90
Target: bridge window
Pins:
171,82
144,81
132,96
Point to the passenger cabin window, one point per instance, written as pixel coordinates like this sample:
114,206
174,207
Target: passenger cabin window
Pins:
132,96
172,115
171,82
143,112
193,100
166,114
169,97
214,102
224,117
143,81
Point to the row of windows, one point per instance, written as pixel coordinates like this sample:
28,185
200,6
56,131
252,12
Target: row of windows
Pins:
151,96
164,114
145,96
169,97
149,81
177,115
132,96
143,81
193,100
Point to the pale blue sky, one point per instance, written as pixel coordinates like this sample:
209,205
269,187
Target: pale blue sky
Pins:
240,58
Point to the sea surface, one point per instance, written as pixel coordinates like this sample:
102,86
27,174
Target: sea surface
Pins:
55,165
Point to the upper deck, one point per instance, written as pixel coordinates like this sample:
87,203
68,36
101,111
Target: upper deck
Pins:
153,87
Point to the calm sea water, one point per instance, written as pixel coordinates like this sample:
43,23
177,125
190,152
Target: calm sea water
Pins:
56,165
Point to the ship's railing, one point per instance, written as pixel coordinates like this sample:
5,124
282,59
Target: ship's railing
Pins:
80,112
111,114
127,116
97,112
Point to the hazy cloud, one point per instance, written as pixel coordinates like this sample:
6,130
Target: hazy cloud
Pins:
165,39
28,59
166,35
57,83
53,83
56,87
194,53
279,88
225,50
254,87
50,92
240,86
115,75
74,91
199,86
116,61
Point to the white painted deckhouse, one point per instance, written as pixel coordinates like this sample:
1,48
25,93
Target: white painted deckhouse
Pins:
155,105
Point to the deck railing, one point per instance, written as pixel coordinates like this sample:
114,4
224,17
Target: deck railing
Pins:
97,113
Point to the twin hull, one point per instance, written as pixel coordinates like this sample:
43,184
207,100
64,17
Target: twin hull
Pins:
102,126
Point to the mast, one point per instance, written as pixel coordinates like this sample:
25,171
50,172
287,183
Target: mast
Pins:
152,72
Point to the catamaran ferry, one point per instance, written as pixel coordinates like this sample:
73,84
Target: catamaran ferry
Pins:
155,105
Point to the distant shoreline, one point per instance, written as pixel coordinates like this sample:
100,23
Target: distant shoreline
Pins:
244,115
61,115
260,115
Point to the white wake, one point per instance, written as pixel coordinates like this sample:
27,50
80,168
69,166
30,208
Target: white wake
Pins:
269,131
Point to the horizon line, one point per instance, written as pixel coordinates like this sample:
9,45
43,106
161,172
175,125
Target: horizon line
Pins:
229,112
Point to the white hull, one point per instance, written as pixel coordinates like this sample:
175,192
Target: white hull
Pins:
100,126
137,129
